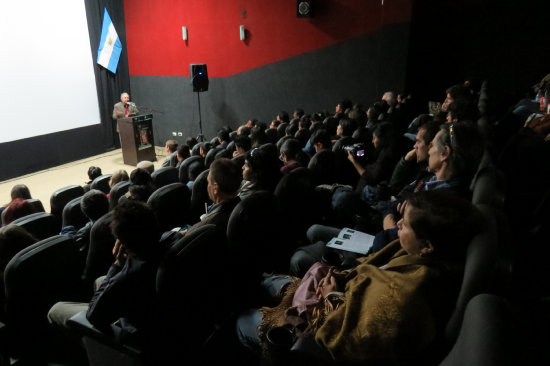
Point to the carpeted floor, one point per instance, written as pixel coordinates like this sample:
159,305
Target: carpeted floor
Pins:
43,183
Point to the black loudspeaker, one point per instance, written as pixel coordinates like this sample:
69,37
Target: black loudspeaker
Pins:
303,9
199,77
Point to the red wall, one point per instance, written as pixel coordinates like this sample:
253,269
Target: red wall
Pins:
156,47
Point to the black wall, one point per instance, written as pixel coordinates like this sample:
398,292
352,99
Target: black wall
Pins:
359,69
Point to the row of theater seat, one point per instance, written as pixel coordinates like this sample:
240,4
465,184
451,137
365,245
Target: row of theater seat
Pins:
258,230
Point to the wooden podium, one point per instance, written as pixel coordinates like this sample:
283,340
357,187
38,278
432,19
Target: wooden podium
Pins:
136,139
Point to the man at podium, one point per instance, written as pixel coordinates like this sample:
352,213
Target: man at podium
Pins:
124,108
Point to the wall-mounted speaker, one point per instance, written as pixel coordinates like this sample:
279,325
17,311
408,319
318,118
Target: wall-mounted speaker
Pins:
303,9
199,77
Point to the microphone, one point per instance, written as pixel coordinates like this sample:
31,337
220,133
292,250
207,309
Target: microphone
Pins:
130,103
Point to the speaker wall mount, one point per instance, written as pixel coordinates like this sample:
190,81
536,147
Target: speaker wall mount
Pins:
304,9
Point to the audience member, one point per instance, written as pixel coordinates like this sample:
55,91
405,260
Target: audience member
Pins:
13,239
20,191
223,137
141,186
146,165
292,156
118,176
452,169
170,148
128,289
422,270
93,173
94,204
182,153
224,180
17,208
261,171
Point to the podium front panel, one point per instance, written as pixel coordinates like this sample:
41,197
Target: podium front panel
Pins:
137,139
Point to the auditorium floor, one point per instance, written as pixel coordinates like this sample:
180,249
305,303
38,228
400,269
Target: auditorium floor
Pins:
43,183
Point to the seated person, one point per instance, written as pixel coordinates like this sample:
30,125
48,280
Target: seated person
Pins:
182,153
393,306
453,169
223,137
141,186
224,179
242,145
170,148
195,168
94,204
260,171
17,208
18,191
412,168
292,156
13,239
93,173
118,176
147,165
128,290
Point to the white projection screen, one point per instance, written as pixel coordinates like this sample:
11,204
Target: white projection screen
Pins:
46,69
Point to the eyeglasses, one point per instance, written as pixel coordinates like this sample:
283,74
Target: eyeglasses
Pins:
452,134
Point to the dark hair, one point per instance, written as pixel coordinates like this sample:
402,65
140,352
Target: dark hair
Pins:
291,129
283,116
141,185
459,91
205,146
293,149
245,131
345,104
463,109
264,168
134,224
94,172
258,137
94,204
243,142
299,112
467,146
318,117
347,126
445,219
20,191
140,177
227,173
191,141
375,111
321,136
358,116
184,151
385,133
430,130
223,134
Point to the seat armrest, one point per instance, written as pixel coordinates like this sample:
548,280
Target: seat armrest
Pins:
80,324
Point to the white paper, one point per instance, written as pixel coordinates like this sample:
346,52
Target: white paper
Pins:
352,241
